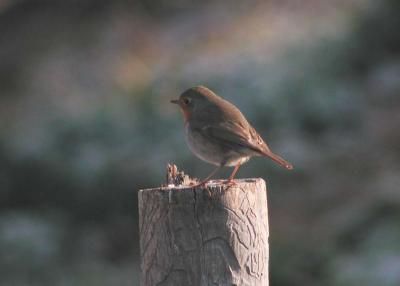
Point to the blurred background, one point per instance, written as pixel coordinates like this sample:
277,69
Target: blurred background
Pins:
85,122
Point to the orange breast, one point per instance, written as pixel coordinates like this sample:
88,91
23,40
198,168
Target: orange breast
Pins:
185,112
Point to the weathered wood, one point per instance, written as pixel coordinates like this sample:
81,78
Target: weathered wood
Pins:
213,235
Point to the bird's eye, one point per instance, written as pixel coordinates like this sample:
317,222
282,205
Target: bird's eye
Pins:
186,101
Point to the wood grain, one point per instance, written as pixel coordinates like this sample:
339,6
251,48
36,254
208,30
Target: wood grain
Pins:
214,235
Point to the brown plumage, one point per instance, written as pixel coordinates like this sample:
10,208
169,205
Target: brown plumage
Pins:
218,133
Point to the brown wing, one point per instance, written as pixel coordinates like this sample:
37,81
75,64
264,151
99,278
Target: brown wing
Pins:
234,134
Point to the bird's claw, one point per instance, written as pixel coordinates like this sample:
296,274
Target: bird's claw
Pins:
231,182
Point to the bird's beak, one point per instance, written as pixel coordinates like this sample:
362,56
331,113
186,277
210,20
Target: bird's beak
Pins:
175,101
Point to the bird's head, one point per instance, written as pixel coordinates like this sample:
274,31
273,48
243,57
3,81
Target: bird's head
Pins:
194,99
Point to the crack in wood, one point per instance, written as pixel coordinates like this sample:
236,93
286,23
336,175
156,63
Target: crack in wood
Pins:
189,238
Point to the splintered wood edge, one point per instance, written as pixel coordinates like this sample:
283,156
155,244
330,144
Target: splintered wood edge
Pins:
212,184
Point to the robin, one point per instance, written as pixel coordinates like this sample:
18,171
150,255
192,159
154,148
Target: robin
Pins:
218,133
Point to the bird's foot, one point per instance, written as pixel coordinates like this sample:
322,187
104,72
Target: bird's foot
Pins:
228,184
231,182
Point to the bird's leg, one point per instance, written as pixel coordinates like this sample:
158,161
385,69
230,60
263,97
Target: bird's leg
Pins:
209,176
230,180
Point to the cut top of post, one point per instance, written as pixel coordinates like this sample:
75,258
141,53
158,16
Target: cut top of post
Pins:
216,234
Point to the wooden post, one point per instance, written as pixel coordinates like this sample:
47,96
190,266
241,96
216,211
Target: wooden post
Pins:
213,235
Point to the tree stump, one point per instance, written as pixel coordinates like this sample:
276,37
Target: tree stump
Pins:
198,236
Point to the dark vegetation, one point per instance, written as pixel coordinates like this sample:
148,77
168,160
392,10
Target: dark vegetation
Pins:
85,122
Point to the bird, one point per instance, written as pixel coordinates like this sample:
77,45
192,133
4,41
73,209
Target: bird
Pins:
218,133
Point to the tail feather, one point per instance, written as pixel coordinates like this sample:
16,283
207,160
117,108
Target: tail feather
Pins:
279,160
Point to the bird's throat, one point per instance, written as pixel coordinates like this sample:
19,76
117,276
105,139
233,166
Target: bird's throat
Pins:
185,113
